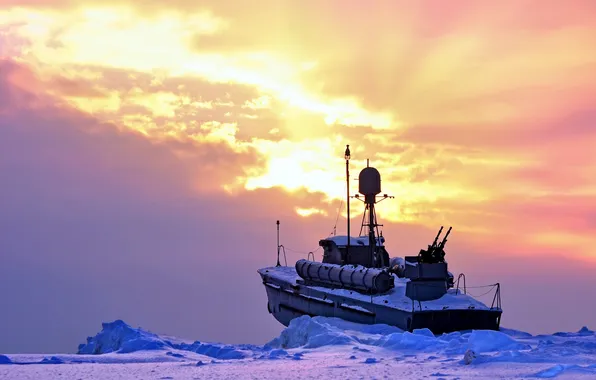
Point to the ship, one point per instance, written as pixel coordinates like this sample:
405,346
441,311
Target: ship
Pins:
358,281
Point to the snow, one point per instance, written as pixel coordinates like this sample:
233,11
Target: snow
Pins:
5,359
355,307
319,347
121,338
396,297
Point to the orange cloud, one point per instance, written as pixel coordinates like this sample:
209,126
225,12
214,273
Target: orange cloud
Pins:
94,198
470,110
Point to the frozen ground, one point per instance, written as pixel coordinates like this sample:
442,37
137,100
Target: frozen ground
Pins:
313,348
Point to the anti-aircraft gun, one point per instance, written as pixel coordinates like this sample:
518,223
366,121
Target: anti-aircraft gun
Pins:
428,274
435,252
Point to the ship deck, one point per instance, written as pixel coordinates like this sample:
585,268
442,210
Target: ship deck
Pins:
396,298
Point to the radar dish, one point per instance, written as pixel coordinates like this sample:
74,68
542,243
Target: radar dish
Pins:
369,181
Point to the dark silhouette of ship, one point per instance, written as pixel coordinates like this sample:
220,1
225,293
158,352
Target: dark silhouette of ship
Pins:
358,281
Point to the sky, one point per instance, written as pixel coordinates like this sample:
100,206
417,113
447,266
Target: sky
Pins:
147,149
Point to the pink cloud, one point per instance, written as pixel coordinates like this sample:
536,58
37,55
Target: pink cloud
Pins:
100,223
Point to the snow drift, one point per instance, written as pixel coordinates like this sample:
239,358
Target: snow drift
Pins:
121,338
345,344
316,332
5,359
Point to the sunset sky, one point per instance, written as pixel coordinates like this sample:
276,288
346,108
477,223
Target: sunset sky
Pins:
147,148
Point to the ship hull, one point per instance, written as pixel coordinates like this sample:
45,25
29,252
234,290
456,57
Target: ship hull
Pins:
287,301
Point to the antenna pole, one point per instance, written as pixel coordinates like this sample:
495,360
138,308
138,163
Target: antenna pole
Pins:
278,264
347,157
371,230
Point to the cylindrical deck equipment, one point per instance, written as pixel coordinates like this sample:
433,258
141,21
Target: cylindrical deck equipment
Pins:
347,276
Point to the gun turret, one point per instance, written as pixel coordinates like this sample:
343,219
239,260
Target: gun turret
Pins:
435,252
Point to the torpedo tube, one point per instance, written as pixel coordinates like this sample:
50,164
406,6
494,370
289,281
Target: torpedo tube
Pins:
370,280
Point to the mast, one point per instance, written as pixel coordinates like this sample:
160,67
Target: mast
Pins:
370,186
278,263
347,157
372,223
369,199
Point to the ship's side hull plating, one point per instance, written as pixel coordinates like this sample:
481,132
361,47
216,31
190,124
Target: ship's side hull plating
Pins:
289,301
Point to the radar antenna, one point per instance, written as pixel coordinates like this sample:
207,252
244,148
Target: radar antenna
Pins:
369,185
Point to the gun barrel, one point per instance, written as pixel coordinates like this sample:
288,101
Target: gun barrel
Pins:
437,237
445,238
